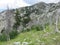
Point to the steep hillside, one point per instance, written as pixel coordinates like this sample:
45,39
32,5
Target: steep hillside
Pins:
26,17
39,24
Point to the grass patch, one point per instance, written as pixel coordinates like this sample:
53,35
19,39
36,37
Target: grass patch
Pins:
49,37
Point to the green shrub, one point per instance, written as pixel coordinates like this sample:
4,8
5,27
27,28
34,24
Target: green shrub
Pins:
28,30
3,37
25,21
13,34
38,28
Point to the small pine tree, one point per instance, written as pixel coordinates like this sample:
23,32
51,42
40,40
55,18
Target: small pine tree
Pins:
17,18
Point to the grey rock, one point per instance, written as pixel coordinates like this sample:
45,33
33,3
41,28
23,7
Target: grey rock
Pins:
40,14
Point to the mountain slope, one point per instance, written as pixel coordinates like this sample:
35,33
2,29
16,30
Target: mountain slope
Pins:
38,14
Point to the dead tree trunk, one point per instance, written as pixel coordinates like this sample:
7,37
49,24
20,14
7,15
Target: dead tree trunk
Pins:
8,23
56,24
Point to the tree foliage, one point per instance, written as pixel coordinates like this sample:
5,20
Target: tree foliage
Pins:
17,18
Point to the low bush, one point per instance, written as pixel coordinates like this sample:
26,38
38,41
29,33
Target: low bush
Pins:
38,28
13,34
3,37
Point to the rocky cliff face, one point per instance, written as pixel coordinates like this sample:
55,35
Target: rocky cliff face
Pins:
38,14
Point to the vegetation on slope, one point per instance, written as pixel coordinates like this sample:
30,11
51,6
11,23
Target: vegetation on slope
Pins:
33,37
